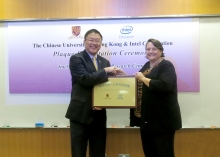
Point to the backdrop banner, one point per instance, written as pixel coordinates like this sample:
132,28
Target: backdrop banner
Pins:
39,51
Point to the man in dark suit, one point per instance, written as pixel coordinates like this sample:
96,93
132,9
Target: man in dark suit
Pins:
88,123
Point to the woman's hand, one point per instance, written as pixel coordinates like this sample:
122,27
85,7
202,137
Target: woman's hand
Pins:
139,76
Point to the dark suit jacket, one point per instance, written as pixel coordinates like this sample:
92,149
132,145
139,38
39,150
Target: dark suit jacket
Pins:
84,77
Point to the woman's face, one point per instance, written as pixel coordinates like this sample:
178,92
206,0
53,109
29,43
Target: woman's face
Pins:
153,53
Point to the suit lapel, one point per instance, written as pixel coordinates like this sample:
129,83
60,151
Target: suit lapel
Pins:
99,62
88,60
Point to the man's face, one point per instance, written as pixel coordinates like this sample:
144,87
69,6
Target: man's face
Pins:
93,43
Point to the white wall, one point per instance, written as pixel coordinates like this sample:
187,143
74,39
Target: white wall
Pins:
203,108
198,108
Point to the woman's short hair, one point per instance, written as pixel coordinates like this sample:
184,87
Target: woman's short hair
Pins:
157,44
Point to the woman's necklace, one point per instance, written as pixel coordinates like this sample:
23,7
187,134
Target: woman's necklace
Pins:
151,67
137,111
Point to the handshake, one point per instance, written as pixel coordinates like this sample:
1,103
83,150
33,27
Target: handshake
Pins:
115,71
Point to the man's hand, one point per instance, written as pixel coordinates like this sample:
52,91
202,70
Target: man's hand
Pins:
97,108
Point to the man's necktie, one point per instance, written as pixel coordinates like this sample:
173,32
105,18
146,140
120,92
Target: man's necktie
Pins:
95,63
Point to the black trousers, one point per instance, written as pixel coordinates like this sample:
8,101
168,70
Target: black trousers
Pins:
82,134
158,144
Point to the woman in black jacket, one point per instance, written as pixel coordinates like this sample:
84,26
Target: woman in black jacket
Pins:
159,110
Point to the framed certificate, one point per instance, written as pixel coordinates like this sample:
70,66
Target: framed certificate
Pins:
118,92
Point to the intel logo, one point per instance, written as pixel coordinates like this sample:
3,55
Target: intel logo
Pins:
126,30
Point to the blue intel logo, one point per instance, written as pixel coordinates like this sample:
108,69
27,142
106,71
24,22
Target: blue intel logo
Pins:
126,30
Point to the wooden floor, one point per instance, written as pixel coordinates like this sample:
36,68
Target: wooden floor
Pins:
50,142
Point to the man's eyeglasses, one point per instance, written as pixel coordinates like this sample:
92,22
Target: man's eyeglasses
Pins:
97,41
